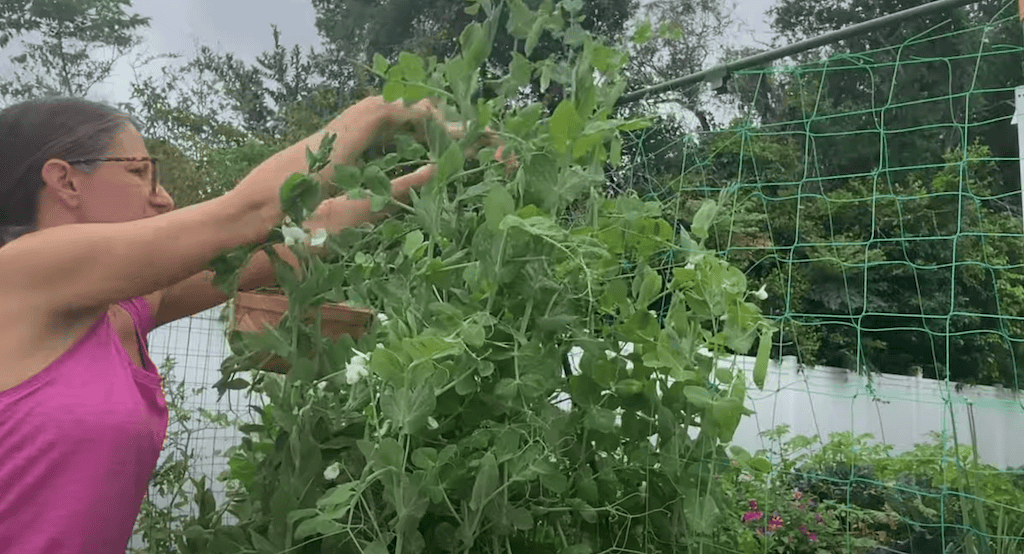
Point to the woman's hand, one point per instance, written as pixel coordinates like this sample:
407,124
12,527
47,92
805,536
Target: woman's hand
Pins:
373,123
335,214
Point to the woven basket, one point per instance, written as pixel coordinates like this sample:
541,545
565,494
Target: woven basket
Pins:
254,310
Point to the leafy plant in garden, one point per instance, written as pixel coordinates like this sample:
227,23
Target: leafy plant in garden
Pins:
496,406
164,514
866,276
933,497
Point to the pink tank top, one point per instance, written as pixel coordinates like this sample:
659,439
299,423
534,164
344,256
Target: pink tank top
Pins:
78,445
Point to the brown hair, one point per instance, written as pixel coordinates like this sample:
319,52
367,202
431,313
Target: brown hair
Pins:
35,131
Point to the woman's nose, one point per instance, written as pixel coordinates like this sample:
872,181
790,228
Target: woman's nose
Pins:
163,201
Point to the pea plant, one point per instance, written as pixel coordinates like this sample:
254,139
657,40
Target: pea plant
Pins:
544,373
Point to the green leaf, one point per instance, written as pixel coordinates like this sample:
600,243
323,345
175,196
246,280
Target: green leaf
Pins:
348,177
451,163
466,385
388,366
521,19
380,64
727,413
600,419
702,220
521,519
650,286
644,33
506,389
764,349
701,511
533,37
698,396
628,387
413,242
376,181
429,347
411,67
409,149
394,89
424,458
388,455
409,409
520,72
336,502
227,268
300,195
554,482
565,126
525,121
498,204
476,46
261,544
378,203
319,525
473,334
237,384
486,482
759,464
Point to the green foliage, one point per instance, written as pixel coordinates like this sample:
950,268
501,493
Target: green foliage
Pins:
936,497
921,76
458,424
58,57
163,516
912,272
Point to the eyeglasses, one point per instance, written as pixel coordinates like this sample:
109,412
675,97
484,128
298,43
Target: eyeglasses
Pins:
153,173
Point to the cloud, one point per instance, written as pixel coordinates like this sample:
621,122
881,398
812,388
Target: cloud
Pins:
241,27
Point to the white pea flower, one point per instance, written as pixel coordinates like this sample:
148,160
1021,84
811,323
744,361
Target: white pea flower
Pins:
611,355
319,237
332,472
383,319
690,266
356,368
761,294
293,235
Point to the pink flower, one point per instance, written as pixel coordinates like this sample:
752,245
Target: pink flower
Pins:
810,536
753,504
775,522
797,495
818,518
752,516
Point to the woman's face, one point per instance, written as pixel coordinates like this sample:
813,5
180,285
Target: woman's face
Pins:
120,191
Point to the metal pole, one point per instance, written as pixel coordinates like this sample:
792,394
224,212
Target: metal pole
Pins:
795,48
1018,120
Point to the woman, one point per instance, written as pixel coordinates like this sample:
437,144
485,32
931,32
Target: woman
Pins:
93,256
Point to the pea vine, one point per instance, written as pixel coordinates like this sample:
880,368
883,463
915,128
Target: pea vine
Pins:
544,375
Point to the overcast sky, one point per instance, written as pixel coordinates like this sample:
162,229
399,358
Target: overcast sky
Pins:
242,27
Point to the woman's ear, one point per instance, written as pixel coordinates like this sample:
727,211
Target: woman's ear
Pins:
56,175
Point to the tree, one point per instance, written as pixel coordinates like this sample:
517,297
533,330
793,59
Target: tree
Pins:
78,44
356,30
673,39
922,75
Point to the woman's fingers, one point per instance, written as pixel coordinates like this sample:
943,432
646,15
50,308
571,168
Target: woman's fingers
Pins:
416,179
415,118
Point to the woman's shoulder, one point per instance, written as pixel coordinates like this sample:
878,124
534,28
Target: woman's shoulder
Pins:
32,338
